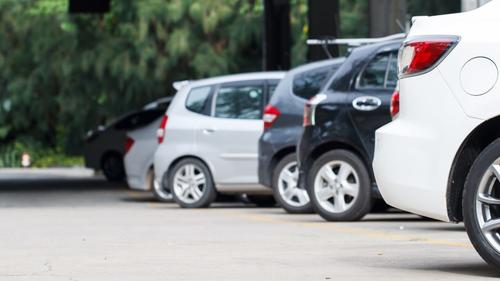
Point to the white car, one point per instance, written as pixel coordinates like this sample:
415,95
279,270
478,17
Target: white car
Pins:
209,139
140,146
440,157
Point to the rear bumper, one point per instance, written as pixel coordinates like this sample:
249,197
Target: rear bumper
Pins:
304,151
414,154
138,183
266,154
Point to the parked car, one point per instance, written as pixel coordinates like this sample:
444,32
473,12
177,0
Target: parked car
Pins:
140,145
209,139
104,147
440,157
282,129
336,147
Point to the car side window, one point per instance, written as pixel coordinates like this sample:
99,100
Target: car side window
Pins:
239,101
392,72
307,84
380,73
198,100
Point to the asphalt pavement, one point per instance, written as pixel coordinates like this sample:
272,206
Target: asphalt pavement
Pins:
80,227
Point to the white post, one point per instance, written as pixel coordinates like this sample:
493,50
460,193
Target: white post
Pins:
468,5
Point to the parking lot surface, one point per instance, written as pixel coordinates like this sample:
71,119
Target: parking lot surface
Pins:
83,228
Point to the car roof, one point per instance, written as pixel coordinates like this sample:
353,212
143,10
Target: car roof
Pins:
316,65
269,75
157,103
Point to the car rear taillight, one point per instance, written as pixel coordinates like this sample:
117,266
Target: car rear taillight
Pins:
395,104
307,115
421,55
160,133
271,114
129,142
310,108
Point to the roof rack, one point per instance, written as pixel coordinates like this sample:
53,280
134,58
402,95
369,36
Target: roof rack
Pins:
351,42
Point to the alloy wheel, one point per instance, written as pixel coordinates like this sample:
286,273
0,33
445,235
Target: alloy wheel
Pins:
287,186
189,183
488,205
336,186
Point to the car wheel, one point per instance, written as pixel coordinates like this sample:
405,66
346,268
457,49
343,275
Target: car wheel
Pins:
262,200
191,184
286,192
160,190
481,204
339,186
112,168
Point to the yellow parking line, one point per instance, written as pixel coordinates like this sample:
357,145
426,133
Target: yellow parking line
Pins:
356,231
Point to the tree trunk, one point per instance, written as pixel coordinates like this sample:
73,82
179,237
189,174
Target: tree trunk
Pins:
324,21
387,17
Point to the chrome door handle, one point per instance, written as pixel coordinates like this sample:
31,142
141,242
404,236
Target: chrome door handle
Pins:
208,131
366,103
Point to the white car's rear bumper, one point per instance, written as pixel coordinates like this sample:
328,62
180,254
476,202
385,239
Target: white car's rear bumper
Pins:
138,183
414,153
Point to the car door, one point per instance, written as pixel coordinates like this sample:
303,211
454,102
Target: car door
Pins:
369,101
230,139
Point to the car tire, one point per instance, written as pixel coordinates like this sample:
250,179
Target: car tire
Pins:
262,200
160,191
477,219
342,195
192,184
293,202
112,168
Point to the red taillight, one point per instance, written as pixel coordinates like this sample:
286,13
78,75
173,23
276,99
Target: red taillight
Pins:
129,142
160,133
271,114
307,115
395,104
421,55
310,108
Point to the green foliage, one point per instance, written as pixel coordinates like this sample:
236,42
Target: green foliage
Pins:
62,74
10,155
354,17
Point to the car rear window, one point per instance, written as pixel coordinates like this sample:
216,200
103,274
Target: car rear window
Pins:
139,119
307,84
198,100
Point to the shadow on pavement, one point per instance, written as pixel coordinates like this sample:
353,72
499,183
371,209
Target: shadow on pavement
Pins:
469,269
57,184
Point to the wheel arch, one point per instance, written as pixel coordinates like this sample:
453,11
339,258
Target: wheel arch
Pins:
278,156
335,144
471,147
180,158
108,154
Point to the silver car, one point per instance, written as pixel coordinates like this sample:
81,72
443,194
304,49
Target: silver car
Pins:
209,139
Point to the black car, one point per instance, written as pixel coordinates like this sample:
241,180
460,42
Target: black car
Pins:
282,129
336,149
104,147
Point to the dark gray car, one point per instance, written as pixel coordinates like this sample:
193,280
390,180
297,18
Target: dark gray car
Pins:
283,127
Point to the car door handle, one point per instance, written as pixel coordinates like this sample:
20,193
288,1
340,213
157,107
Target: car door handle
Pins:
366,103
208,131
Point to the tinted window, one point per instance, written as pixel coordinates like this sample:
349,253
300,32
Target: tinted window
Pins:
392,72
308,84
381,72
198,99
374,74
239,102
139,119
